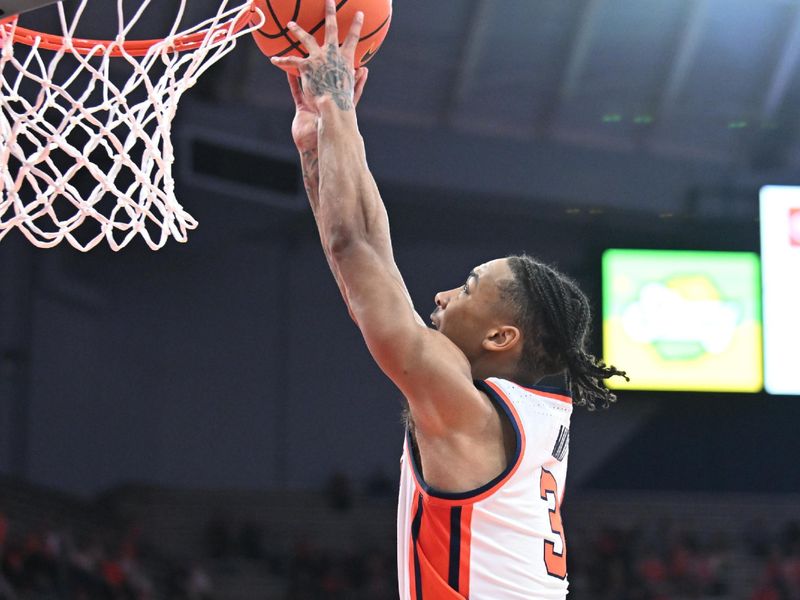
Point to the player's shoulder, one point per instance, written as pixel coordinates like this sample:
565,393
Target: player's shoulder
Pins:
516,393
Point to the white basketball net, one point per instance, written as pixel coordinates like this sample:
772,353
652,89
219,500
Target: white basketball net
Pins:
50,139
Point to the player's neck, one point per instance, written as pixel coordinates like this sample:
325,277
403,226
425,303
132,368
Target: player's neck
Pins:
484,370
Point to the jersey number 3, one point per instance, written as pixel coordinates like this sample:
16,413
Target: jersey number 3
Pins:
556,563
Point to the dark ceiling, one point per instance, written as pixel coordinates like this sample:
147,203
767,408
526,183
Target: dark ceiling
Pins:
657,105
661,106
704,79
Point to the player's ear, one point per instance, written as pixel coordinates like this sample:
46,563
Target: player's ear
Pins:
502,338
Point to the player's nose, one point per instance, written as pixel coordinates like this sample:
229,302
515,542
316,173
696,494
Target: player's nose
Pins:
441,299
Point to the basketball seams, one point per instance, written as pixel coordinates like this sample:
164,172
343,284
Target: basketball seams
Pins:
377,30
296,44
312,31
371,52
275,18
285,31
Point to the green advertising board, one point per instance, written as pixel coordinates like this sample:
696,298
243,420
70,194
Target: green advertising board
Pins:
683,320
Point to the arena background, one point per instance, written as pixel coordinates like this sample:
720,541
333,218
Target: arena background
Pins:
229,366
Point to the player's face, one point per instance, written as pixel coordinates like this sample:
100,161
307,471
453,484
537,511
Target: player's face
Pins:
465,314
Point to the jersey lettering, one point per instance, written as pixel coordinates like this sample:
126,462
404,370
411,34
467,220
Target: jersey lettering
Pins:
555,563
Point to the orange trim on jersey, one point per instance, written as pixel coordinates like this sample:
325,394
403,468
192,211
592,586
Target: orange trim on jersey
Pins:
466,551
434,587
434,542
413,552
412,592
440,551
429,499
551,395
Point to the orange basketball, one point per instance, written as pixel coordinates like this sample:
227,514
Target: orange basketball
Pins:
275,39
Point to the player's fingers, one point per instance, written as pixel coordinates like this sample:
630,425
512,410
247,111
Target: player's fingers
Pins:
331,27
294,86
305,38
353,35
361,80
291,62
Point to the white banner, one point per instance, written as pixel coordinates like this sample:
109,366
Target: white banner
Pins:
780,253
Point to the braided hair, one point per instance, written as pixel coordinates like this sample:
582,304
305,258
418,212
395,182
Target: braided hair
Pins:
555,317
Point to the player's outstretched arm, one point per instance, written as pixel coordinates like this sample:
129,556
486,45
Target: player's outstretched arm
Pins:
431,371
305,134
305,126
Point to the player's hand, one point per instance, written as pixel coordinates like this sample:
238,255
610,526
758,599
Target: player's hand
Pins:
328,72
306,119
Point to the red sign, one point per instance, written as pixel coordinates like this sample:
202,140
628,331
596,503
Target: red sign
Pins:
794,227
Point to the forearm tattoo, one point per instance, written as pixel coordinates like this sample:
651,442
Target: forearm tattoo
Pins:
333,77
311,173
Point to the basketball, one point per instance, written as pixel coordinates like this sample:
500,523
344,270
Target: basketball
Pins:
274,37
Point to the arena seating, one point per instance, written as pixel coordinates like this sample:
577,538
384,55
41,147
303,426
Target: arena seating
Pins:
241,545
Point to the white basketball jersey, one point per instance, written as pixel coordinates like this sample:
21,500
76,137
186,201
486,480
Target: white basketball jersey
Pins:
503,541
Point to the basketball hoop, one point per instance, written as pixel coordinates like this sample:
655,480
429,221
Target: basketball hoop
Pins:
85,153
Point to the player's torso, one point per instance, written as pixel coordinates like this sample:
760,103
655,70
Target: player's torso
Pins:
501,541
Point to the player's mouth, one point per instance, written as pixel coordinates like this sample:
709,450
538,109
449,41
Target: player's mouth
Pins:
434,319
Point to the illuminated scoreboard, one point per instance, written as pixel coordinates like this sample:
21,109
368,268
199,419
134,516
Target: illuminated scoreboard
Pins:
683,320
780,254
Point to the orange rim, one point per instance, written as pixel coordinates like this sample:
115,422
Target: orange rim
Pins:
83,46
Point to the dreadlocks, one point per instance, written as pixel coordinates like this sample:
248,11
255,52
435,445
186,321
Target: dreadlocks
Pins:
554,314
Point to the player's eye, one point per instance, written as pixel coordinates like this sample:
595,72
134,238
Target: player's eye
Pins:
464,288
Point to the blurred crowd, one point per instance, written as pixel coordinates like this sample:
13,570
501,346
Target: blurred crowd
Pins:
56,563
651,563
657,560
780,574
660,561
369,574
641,563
